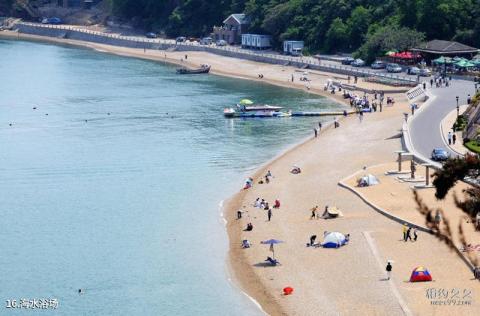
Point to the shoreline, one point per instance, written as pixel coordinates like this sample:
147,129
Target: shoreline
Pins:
244,275
148,55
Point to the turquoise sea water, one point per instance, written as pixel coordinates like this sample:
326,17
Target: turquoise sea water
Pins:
117,190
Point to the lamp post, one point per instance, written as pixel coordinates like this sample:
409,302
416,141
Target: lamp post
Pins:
458,108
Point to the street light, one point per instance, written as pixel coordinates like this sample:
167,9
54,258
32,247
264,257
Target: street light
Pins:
458,108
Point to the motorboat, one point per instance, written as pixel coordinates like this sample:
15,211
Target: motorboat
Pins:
246,108
204,69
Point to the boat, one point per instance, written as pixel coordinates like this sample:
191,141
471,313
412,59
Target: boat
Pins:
245,108
204,69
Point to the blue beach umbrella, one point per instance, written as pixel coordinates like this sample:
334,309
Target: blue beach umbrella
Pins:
272,242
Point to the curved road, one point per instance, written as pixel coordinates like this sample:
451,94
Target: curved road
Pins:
425,127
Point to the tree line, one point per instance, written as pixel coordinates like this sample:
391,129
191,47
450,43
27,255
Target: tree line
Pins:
325,25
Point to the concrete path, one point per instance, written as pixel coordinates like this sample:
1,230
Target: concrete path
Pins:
425,127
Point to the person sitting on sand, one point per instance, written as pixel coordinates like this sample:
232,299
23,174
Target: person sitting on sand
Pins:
246,244
296,170
267,180
277,204
266,206
347,238
325,213
312,240
262,204
269,174
257,203
249,227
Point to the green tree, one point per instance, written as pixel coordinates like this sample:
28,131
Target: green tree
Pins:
388,38
337,36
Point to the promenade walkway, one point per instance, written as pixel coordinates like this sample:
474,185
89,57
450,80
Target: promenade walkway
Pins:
425,127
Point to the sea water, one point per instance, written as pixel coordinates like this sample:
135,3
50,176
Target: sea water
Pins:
111,176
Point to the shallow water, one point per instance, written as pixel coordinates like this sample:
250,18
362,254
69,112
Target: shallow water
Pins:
117,190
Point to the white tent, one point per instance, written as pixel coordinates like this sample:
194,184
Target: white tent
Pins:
368,180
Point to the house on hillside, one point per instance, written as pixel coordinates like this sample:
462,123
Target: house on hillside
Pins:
87,4
256,41
233,28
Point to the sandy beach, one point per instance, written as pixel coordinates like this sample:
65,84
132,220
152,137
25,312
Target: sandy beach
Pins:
345,281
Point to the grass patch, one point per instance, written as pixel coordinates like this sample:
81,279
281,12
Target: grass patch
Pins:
473,145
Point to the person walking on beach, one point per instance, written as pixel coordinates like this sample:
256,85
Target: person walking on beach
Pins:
449,137
389,269
319,126
431,83
314,212
409,237
360,116
292,77
239,214
316,132
269,214
412,107
404,229
415,234
438,218
454,138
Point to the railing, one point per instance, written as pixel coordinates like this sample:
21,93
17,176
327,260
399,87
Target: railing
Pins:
299,61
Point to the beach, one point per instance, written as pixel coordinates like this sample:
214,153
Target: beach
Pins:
345,281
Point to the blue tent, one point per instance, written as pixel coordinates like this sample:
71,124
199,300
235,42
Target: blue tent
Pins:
334,240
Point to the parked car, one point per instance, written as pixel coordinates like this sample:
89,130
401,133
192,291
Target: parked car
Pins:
151,35
358,63
193,39
347,61
180,39
394,68
425,72
440,154
378,64
221,43
53,20
413,70
206,41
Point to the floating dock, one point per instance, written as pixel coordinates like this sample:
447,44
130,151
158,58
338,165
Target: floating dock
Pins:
310,113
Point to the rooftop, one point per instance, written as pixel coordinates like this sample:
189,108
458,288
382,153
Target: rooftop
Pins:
241,18
445,47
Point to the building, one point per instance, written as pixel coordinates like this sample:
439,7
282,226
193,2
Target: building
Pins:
256,41
233,28
87,4
436,48
293,48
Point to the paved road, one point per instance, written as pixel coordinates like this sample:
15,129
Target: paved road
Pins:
425,128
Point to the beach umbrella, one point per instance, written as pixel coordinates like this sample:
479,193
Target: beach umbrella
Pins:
390,53
271,242
246,102
464,64
442,60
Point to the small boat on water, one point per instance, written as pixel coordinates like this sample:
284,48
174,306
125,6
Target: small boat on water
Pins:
204,69
245,108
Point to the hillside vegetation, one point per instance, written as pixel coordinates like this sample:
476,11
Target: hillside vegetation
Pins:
325,25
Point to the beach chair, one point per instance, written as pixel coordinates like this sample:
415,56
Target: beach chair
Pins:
273,262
